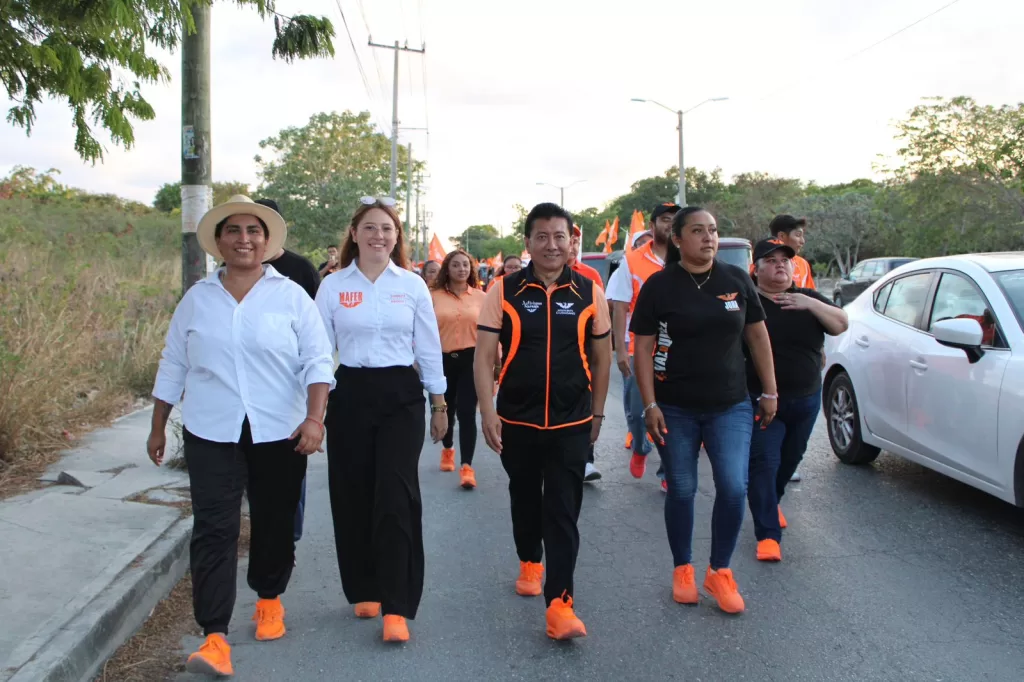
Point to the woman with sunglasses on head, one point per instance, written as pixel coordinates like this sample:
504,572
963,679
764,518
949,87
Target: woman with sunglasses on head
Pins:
689,324
457,301
797,320
249,363
380,317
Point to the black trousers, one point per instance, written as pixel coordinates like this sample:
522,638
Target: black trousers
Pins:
461,400
375,429
545,484
218,475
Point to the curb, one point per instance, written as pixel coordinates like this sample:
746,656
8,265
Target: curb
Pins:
83,644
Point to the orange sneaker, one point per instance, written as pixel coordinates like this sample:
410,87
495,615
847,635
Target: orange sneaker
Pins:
782,519
637,465
530,574
213,658
684,586
269,619
562,621
664,485
395,629
629,440
769,550
468,477
448,459
722,586
367,609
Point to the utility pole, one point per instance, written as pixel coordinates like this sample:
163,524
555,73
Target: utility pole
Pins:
196,148
421,247
408,194
394,108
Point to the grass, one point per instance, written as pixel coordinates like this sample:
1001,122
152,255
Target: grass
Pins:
86,293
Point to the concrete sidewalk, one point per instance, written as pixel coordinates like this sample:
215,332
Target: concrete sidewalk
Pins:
86,558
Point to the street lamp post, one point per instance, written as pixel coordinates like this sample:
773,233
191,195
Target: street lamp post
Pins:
681,196
561,189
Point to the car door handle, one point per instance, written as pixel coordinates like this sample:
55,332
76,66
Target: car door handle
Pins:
862,341
917,364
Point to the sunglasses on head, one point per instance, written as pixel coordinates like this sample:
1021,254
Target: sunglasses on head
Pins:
383,201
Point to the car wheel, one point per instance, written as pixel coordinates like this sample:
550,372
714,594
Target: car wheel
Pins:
843,419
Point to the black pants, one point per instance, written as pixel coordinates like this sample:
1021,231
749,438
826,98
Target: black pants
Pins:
375,429
545,484
218,475
461,400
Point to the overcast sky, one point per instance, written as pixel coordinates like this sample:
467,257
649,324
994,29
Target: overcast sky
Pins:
539,90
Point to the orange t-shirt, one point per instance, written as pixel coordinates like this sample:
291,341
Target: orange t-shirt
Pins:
802,275
588,272
457,317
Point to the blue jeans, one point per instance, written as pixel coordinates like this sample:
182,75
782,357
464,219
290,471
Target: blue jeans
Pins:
300,513
726,436
633,402
775,453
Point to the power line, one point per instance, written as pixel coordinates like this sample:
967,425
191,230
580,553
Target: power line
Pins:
359,65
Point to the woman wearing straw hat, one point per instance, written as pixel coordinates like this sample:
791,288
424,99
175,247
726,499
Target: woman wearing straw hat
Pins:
381,319
249,352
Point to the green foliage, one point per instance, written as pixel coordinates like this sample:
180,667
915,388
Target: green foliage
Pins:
95,55
318,172
168,197
473,239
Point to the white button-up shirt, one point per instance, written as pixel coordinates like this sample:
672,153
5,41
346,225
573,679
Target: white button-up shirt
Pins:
255,358
387,323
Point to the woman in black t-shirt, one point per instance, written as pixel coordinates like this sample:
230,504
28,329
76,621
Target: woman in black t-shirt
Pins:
690,322
797,321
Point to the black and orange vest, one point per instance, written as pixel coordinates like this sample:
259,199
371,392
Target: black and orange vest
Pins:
545,340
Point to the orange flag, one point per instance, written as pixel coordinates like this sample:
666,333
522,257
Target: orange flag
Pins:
636,225
496,261
436,251
613,236
602,235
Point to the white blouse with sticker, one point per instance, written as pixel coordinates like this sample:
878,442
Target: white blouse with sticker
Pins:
387,323
252,359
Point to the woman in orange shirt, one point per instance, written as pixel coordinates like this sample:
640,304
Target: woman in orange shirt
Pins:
457,301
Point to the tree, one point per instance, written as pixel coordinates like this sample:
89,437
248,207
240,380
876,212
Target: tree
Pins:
981,145
473,239
317,173
746,206
168,197
93,55
840,224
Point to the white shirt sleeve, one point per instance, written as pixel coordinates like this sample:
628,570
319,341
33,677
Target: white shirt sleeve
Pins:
620,284
323,295
427,342
170,377
315,353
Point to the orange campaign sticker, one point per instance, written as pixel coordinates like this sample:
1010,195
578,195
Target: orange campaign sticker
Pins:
350,299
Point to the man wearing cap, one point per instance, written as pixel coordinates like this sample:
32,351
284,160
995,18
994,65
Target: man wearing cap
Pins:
553,328
636,267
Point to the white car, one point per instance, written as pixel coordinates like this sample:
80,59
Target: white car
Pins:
932,369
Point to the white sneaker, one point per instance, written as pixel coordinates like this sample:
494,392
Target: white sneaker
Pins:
795,478
591,473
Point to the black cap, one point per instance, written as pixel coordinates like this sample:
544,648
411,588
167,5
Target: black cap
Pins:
785,223
270,203
664,208
767,246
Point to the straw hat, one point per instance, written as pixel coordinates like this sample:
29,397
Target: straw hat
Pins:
241,205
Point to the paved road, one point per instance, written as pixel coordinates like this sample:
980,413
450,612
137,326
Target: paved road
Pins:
891,572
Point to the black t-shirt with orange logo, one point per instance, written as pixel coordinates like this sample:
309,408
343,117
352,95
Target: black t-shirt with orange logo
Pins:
698,350
797,339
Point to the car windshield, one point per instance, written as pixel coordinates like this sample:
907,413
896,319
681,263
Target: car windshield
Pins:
1012,283
738,256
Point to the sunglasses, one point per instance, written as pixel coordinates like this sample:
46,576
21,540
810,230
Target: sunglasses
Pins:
383,201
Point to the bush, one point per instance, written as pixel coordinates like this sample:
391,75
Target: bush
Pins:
87,289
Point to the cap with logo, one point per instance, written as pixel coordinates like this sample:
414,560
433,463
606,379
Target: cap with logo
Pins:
640,235
768,246
664,208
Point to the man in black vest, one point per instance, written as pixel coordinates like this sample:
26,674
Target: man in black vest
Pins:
553,327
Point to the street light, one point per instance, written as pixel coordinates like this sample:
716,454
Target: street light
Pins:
681,197
561,189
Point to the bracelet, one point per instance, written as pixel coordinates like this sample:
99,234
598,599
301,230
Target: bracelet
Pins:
315,421
443,407
648,408
769,396
598,416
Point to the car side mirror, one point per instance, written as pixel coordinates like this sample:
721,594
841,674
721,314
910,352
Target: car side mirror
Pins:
847,277
963,334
